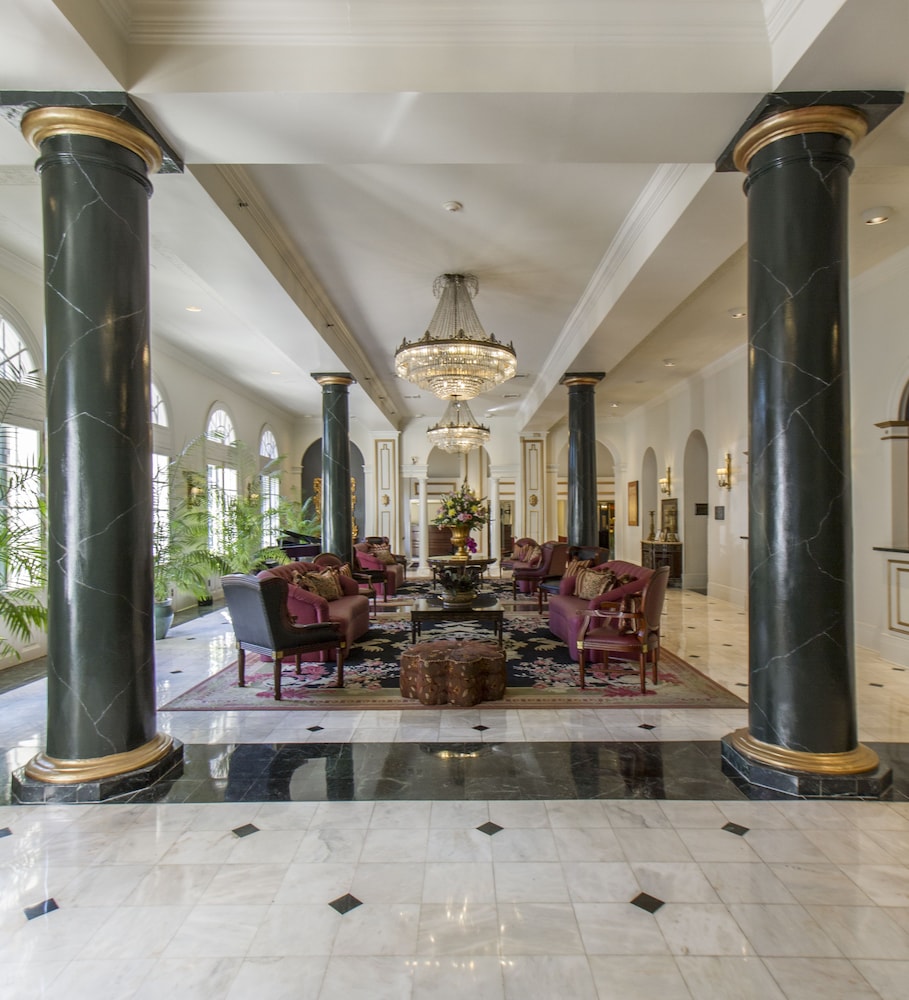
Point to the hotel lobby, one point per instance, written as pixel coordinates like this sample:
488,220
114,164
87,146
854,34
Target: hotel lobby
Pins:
689,224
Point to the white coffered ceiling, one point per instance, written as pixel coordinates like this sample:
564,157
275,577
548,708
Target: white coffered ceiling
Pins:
322,138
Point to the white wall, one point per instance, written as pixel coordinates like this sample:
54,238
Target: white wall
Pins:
714,402
879,374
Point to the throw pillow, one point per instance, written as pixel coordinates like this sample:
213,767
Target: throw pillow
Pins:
325,584
576,565
519,552
345,570
382,553
589,583
298,579
533,556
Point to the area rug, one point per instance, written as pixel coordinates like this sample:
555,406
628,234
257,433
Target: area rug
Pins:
540,675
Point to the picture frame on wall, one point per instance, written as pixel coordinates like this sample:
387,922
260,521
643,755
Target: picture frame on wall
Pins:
633,504
669,520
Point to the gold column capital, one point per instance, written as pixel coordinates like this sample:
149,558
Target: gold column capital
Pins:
840,120
44,123
582,378
334,378
858,761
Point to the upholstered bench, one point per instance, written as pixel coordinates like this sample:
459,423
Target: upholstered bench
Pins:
448,672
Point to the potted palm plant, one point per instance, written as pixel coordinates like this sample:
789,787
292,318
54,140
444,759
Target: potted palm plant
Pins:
183,560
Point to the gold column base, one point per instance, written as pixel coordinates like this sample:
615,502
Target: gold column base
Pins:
55,771
857,761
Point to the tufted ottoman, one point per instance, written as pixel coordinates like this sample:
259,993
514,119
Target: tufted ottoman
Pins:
456,673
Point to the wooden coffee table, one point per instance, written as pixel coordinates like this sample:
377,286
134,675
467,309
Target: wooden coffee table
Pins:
430,609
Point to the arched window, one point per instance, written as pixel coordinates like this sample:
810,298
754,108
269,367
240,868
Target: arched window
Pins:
270,487
158,409
20,462
220,427
222,478
15,359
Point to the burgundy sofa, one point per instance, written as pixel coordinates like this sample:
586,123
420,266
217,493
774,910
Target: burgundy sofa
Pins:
564,607
351,611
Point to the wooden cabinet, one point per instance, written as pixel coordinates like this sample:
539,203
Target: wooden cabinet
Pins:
439,540
656,554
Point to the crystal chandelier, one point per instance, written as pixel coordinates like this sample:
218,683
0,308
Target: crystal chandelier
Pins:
458,429
455,357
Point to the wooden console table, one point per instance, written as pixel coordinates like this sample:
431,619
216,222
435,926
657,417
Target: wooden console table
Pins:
656,554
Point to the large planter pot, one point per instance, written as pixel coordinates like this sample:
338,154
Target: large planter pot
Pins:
164,616
458,598
459,535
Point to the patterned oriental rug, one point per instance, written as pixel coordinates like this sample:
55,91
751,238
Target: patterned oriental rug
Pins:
540,675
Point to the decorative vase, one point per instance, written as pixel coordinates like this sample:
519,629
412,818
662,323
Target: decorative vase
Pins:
459,535
458,598
164,615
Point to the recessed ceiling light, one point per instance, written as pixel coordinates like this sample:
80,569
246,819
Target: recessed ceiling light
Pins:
452,206
876,216
615,406
275,373
668,363
194,309
737,313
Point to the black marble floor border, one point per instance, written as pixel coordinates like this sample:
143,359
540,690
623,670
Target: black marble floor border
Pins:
387,772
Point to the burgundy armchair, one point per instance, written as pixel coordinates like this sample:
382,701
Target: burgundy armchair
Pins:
262,624
628,635
552,563
386,577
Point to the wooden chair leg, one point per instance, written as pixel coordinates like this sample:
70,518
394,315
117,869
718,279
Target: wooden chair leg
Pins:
297,664
339,661
656,662
279,656
581,666
241,665
643,668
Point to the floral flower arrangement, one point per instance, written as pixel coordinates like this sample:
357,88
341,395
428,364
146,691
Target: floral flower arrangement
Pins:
462,507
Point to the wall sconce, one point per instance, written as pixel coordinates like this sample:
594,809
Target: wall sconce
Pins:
724,475
666,481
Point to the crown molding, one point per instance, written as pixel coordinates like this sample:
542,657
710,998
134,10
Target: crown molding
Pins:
309,294
507,23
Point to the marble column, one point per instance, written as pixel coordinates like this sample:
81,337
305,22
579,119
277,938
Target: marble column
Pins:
101,716
583,522
337,516
423,486
802,731
495,530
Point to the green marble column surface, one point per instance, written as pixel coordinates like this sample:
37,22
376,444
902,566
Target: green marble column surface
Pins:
583,520
101,684
337,515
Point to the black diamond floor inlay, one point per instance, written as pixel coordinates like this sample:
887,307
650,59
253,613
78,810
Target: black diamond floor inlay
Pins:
740,684
245,831
39,909
875,685
315,729
646,725
490,828
346,903
647,902
481,728
6,832
176,671
739,831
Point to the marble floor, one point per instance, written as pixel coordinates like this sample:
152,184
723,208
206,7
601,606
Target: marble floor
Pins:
435,854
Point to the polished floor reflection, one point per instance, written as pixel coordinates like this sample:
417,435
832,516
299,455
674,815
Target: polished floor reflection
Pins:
428,855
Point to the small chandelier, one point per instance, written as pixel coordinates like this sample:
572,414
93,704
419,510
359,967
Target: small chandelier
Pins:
455,357
458,430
